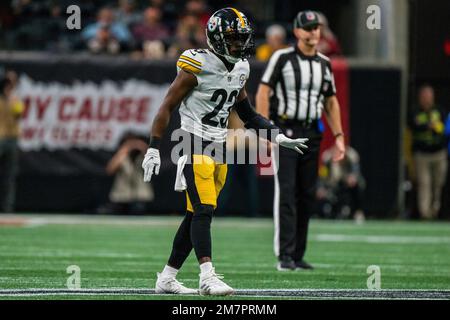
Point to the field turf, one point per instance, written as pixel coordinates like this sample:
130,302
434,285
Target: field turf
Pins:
124,253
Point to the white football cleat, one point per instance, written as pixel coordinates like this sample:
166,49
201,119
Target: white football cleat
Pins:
210,284
171,285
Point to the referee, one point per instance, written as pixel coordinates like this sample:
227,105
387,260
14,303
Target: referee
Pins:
297,85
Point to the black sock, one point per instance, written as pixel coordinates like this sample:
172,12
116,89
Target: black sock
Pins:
201,230
182,244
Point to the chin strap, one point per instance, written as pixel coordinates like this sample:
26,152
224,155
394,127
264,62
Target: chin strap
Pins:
227,60
231,59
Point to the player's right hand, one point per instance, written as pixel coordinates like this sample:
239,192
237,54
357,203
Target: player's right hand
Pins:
152,161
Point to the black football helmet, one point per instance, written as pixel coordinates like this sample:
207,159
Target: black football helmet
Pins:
230,34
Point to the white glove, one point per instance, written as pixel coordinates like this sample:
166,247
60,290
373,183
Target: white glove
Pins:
151,161
295,144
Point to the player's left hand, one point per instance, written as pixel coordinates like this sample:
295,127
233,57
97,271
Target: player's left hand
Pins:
152,161
295,144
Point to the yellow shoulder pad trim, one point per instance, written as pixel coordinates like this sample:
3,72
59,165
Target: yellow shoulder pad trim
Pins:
188,68
191,60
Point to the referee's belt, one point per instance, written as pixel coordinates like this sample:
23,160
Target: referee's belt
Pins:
307,124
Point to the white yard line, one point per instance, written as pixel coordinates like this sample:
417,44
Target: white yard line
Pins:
173,220
35,220
260,293
389,239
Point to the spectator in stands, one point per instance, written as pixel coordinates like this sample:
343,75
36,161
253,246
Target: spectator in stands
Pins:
29,20
104,42
24,9
151,33
129,193
190,34
328,44
341,186
11,108
14,98
275,39
446,198
169,12
56,29
198,8
107,33
127,14
429,150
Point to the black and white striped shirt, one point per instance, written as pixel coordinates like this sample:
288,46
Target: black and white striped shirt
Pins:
300,84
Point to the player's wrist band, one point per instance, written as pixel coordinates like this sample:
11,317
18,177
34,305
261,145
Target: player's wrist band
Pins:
338,134
155,142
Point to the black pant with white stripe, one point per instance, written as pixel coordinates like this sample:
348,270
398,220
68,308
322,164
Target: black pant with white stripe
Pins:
295,185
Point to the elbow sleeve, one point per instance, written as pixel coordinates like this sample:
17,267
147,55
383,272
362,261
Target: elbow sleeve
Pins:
253,120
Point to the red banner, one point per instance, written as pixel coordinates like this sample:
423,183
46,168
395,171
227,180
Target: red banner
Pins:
341,77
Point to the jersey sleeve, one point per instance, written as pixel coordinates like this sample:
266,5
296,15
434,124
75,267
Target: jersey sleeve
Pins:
191,61
329,87
247,73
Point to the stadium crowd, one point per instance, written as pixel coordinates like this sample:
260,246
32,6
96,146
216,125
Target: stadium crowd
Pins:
153,27
150,29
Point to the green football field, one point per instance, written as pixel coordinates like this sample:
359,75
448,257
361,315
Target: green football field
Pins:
118,257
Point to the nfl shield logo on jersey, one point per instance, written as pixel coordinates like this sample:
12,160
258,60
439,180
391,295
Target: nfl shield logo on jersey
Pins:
242,80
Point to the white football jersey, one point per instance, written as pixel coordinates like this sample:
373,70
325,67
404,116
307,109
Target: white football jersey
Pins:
205,110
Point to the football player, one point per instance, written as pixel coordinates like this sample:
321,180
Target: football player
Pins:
209,83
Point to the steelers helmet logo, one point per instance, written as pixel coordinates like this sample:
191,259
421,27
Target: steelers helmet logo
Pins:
310,15
212,23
